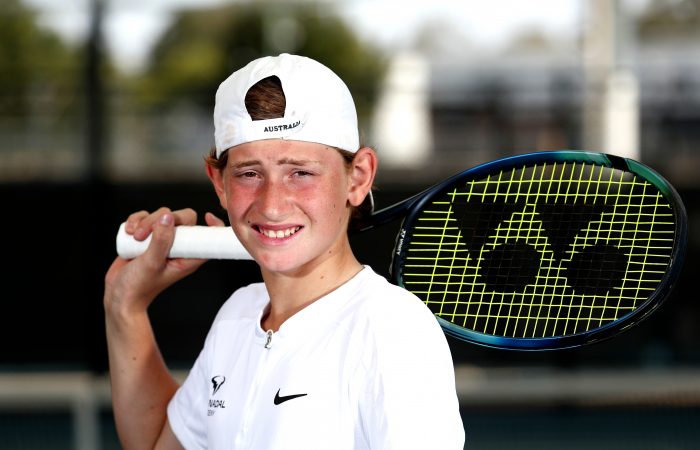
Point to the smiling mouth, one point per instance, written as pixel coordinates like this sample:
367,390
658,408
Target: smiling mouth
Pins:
277,234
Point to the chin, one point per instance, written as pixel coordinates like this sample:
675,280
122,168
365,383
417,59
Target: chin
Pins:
279,263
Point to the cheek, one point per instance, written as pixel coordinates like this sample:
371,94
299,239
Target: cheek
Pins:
238,200
336,206
335,195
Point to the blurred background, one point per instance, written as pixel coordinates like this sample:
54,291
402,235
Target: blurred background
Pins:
105,109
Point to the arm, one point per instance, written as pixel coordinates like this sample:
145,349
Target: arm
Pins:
142,386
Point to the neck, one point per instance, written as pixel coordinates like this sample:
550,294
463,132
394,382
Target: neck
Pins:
292,292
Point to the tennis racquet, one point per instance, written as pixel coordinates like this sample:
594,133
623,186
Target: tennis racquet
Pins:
538,251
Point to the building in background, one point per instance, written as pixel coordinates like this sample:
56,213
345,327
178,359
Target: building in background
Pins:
401,130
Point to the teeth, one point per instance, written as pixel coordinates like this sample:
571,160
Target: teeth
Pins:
279,234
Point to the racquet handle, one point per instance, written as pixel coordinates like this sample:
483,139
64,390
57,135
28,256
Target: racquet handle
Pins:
190,242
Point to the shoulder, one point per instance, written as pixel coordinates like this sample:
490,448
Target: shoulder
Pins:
388,305
387,316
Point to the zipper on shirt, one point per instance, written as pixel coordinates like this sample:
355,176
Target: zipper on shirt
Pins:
268,342
242,437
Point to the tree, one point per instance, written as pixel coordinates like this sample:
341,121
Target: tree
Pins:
670,17
203,47
37,70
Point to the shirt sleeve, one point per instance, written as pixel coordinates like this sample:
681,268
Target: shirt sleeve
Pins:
410,400
187,409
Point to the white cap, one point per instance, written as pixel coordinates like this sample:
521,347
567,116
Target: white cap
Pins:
319,106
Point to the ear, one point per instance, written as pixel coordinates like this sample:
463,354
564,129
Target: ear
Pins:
217,179
363,171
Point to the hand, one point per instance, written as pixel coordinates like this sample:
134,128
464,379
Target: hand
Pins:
131,285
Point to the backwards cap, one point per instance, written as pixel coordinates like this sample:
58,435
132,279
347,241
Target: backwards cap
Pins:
319,107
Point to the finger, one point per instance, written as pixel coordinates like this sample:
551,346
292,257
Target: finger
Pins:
181,267
162,238
213,221
133,220
186,216
148,223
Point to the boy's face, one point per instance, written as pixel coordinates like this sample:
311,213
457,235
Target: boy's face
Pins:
288,203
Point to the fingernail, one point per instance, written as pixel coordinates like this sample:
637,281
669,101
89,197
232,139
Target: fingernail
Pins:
166,219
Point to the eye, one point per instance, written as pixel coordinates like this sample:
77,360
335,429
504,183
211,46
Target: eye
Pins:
301,173
246,174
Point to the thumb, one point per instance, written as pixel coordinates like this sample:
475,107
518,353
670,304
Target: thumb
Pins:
162,239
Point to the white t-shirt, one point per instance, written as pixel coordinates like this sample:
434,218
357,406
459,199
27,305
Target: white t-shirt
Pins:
365,367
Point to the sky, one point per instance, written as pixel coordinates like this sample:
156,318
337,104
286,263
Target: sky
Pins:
132,26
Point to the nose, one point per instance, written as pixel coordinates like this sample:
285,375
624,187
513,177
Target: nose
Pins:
273,201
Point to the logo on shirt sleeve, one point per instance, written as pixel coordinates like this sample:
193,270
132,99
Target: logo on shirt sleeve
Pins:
216,383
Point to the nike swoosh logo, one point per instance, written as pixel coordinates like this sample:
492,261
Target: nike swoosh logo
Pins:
281,399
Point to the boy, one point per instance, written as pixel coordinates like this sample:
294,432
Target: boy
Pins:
310,358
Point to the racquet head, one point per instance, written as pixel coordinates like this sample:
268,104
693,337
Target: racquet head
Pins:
543,251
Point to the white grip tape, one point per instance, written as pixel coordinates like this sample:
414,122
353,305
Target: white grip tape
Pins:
190,242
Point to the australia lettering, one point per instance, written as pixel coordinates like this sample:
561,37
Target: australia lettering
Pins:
273,128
